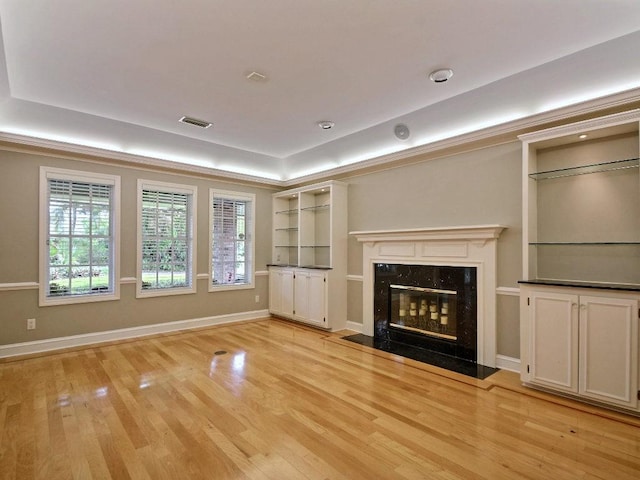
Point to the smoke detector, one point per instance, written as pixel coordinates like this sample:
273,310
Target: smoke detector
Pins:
441,76
401,131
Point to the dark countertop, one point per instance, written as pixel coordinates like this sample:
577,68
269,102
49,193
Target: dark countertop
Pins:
580,284
311,267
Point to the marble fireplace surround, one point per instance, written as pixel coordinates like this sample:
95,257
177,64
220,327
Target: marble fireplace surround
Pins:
466,246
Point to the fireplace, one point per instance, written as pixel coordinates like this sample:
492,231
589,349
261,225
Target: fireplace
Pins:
427,306
449,269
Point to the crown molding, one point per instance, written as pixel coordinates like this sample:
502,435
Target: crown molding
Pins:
514,128
139,160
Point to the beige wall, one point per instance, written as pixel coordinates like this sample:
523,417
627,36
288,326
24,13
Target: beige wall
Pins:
473,188
478,187
19,190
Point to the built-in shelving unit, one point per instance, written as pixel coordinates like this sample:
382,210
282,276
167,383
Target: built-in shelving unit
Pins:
581,201
309,255
580,291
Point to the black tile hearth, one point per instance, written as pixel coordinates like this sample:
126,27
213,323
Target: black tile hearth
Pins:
464,367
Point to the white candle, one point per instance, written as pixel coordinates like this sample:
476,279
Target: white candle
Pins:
423,311
433,308
444,310
434,315
403,312
413,305
412,312
444,319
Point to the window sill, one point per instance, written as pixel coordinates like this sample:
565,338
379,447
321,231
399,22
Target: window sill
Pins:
230,286
75,299
164,292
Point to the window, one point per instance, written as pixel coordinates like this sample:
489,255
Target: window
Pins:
166,232
79,221
231,240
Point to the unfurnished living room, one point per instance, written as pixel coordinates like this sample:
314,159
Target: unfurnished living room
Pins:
295,239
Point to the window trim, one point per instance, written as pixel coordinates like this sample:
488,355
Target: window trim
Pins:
169,188
47,173
231,195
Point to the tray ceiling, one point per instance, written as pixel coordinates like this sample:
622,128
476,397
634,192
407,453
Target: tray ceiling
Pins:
118,75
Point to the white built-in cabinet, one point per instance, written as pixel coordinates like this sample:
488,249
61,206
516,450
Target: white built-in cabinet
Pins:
581,342
281,291
581,260
308,272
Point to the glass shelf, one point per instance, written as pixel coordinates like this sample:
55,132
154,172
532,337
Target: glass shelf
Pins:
286,246
288,229
582,243
315,246
316,207
586,169
293,211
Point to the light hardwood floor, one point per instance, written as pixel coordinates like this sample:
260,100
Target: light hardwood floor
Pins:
287,402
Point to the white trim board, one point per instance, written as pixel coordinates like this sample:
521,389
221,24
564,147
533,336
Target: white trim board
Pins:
354,326
6,287
508,363
52,344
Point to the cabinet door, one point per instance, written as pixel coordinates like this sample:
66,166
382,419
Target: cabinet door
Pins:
286,293
310,297
553,340
317,287
609,350
301,295
281,292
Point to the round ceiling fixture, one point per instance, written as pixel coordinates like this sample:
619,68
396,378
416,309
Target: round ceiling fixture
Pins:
326,124
401,131
441,76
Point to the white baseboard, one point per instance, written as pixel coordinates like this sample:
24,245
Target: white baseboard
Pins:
58,343
508,363
356,327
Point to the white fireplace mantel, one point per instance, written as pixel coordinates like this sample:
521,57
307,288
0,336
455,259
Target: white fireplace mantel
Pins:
470,246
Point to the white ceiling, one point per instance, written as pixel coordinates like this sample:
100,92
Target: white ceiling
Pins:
118,74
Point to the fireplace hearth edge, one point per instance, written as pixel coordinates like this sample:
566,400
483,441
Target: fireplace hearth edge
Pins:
458,365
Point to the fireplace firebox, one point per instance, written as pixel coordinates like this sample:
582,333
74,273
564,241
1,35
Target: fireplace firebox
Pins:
433,307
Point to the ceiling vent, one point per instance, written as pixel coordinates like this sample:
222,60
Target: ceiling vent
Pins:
195,122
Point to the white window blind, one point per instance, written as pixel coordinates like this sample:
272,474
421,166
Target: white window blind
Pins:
231,239
80,253
167,239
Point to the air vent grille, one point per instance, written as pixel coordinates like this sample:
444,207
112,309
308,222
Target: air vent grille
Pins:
195,122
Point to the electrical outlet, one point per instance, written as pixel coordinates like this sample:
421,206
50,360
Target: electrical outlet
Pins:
257,298
31,323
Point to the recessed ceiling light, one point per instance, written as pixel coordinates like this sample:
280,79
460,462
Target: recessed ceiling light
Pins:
583,136
326,124
441,76
195,122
